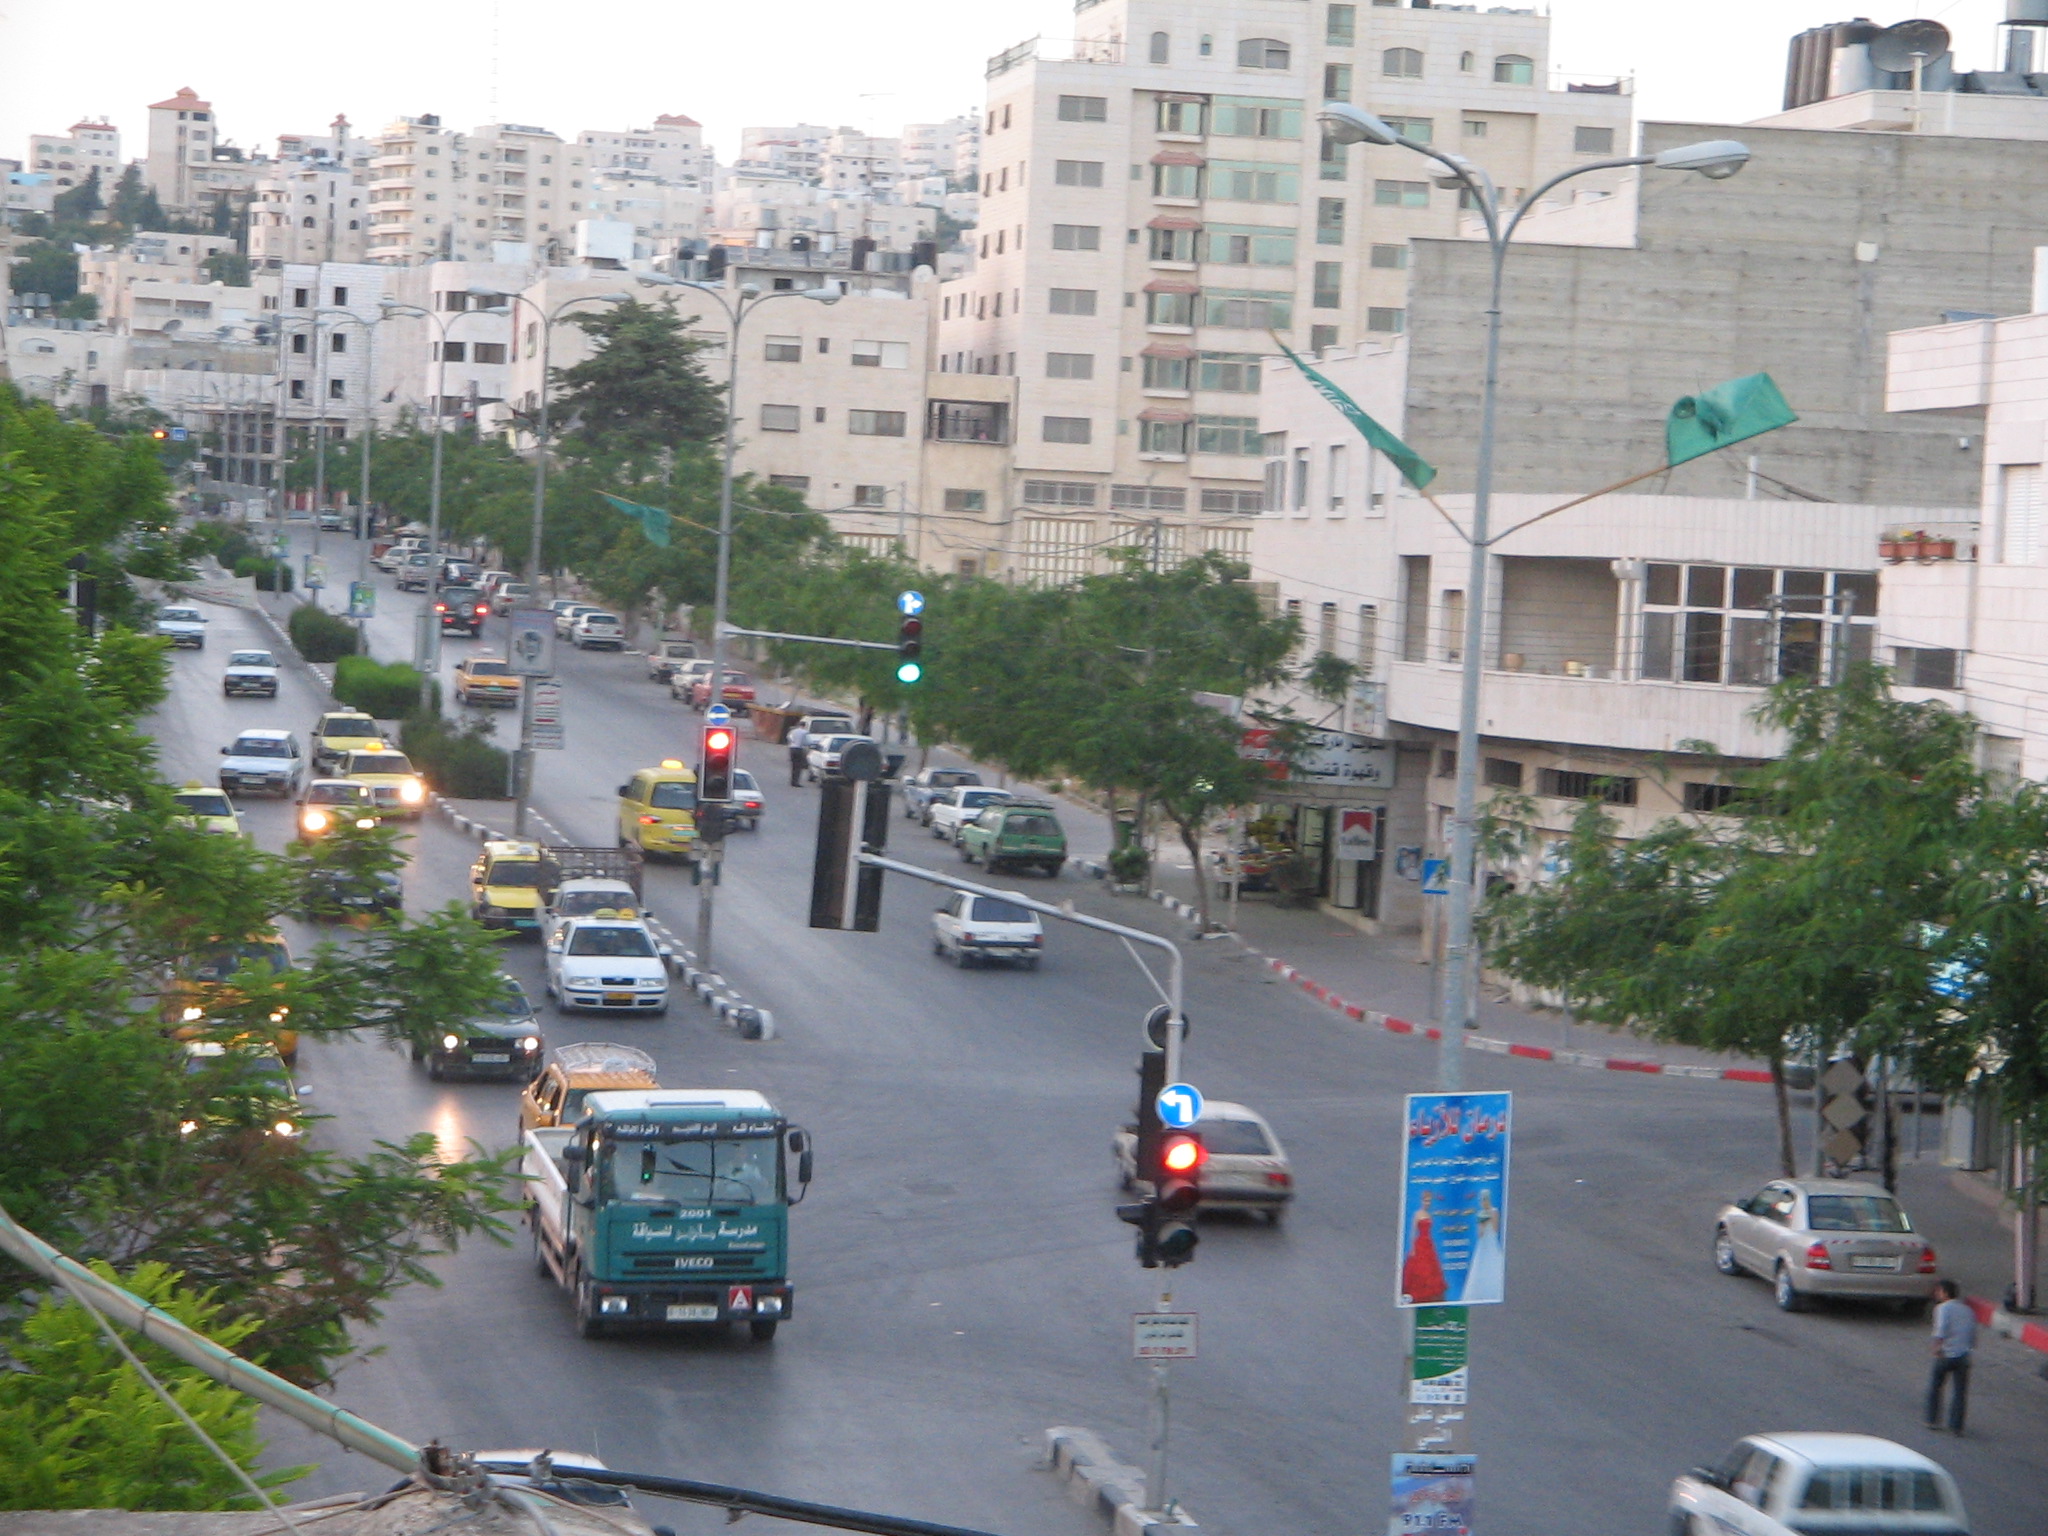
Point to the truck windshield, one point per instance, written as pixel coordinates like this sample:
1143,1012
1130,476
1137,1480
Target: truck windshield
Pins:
736,1172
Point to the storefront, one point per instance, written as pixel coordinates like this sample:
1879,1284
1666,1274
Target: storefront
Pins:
1327,829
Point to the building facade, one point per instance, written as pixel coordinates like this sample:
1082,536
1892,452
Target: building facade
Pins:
69,159
435,194
309,212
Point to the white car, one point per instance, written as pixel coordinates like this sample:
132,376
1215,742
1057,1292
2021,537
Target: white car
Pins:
607,964
416,573
398,553
1244,1167
585,897
973,930
822,758
507,595
489,582
960,805
566,617
682,677
594,629
250,672
182,626
263,762
1807,1484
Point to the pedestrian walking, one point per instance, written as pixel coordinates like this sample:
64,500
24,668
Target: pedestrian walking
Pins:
799,741
1955,1335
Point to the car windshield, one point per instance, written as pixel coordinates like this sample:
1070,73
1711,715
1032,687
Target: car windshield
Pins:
205,802
741,1171
947,778
512,1003
514,872
337,794
1855,1213
673,796
379,762
1235,1138
349,726
1893,1488
251,659
490,669
221,963
583,903
613,943
990,909
181,615
260,746
981,796
1032,826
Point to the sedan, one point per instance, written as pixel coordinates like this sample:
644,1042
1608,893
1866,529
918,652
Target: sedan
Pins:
182,626
329,803
1244,1168
735,689
250,672
508,595
265,761
1826,1238
595,630
501,1041
1788,1483
566,617
825,752
746,800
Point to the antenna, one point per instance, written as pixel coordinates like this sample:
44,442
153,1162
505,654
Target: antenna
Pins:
1899,49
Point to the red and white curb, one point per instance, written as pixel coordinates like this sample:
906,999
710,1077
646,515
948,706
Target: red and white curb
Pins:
2010,1325
1374,1019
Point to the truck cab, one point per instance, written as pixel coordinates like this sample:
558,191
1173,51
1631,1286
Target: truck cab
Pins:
669,1207
504,886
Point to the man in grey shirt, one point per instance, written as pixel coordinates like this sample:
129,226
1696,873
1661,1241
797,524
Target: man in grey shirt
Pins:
798,741
1955,1335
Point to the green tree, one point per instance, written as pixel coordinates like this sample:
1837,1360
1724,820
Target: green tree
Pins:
48,267
644,390
133,204
231,268
77,205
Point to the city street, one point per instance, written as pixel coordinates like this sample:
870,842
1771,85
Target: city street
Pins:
962,1282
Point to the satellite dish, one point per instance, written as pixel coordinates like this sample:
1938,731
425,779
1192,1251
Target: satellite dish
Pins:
1895,48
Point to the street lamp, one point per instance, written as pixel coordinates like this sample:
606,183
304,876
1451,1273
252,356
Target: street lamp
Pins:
1715,159
745,299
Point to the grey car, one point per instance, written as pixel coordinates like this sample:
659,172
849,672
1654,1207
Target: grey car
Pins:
1814,1238
927,784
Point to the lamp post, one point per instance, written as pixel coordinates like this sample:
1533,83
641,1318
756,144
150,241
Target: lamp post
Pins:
745,299
369,325
1345,124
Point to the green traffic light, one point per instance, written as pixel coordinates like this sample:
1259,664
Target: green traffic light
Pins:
909,672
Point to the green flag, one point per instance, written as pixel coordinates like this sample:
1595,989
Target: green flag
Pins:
653,521
1418,471
1727,413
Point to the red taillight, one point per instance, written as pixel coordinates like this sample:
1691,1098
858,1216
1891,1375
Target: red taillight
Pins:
650,821
1817,1257
1279,1180
440,607
1928,1265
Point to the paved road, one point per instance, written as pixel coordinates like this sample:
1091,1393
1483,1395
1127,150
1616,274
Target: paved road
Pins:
963,1283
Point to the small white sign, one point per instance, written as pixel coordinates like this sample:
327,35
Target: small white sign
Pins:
1358,833
1163,1335
531,643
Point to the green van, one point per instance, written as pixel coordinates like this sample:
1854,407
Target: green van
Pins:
1023,834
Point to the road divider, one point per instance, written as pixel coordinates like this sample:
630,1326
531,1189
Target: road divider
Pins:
1094,1477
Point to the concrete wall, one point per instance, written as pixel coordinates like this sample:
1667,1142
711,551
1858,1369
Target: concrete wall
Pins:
1557,610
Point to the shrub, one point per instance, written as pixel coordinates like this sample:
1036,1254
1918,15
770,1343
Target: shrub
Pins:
382,690
457,760
320,635
266,571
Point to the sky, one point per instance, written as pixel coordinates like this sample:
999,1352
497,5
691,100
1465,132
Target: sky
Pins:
870,64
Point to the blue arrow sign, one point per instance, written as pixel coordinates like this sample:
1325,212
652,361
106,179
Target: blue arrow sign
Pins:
910,602
1180,1105
718,714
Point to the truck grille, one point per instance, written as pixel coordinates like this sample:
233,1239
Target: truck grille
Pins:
721,1264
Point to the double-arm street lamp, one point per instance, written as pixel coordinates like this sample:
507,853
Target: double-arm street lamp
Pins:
1345,124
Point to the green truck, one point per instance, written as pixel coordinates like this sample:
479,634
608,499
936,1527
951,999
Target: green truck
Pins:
668,1208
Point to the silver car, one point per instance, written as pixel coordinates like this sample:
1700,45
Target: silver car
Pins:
1246,1168
1826,1238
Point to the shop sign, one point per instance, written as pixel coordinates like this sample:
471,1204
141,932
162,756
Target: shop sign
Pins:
1326,757
1358,833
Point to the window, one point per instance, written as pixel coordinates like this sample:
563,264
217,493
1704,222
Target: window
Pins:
341,296
1329,285
452,351
1710,797
1253,311
1067,429
1077,237
1336,478
1388,322
1330,221
1297,495
298,389
875,423
299,343
1176,181
1475,127
781,418
1751,627
1390,258
1248,245
1321,338
1918,668
968,421
1059,493
1416,130
1070,365
1566,784
1077,173
2019,514
1252,117
1501,773
958,500
1466,61
1073,301
1514,69
1168,437
1084,109
1593,141
1057,549
1233,504
784,349
1177,116
791,482
1254,182
1235,435
871,497
1336,82
1332,162
1401,194
337,389
1340,26
1263,53
1169,309
1172,245
487,351
1162,48
1166,373
1148,498
1453,616
1402,63
1368,635
1234,373
881,354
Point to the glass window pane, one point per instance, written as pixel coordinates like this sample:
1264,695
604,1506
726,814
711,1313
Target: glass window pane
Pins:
1657,644
1864,585
1749,652
1752,587
1660,586
1706,586
1703,647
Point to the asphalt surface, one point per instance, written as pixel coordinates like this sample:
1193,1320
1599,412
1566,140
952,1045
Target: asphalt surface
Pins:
962,1282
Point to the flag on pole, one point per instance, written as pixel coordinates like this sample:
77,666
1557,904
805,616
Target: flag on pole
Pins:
1728,413
1418,471
653,521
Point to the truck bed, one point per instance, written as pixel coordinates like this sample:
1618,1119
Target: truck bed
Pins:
593,864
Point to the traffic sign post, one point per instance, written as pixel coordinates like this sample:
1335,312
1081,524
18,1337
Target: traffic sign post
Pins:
1164,1335
544,720
1180,1105
1156,1338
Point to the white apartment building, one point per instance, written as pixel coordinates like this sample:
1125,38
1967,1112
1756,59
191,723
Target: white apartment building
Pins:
435,194
457,361
664,214
673,150
183,138
309,212
797,150
325,312
69,158
951,149
1156,203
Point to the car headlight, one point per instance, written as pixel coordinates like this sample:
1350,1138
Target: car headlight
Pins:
364,823
187,1127
314,821
285,1128
529,1043
449,1042
279,1016
193,1015
412,792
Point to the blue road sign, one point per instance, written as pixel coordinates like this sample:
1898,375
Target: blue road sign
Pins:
179,434
718,714
1180,1106
1436,877
910,602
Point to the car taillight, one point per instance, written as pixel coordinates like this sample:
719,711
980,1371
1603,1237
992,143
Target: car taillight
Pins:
1038,938
1928,1264
1817,1257
650,821
440,607
1280,1180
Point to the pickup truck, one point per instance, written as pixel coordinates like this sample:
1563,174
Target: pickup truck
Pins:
668,1207
391,556
958,806
663,656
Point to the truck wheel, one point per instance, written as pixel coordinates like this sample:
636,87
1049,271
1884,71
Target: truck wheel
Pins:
763,1329
540,1254
588,1324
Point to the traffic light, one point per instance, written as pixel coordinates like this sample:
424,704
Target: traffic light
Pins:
1165,1166
160,434
910,637
714,779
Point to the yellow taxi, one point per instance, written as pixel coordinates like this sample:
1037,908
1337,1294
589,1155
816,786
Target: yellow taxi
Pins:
203,987
575,1072
396,789
207,810
487,680
658,811
341,732
504,886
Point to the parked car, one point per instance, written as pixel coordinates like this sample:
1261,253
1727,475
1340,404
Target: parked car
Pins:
392,556
1245,1167
1827,1238
508,595
735,690
1015,834
416,573
462,610
925,785
746,804
821,759
487,680
501,1041
972,930
664,654
960,805
250,672
682,677
565,618
182,626
596,630
331,521
266,762
489,582
1807,1484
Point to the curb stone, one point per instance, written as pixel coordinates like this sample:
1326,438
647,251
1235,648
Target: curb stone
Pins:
1095,1477
2011,1325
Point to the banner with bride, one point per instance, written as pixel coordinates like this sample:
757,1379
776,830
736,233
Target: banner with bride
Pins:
1454,1199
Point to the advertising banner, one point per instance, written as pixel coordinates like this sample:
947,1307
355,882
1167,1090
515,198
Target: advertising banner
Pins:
1454,1200
1432,1495
1358,833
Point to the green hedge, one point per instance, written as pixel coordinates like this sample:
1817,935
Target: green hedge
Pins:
266,571
457,760
382,690
320,635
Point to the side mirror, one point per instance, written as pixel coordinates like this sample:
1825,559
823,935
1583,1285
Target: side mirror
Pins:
803,1167
224,751
621,791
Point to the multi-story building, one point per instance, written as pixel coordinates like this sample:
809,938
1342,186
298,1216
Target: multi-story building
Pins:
310,211
456,363
665,215
69,159
111,275
435,194
182,137
950,150
797,150
323,349
673,150
1159,204
857,164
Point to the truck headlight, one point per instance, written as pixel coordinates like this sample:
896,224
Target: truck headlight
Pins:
768,1306
612,1304
449,1042
411,792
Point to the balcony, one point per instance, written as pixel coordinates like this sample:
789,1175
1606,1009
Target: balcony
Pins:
1039,50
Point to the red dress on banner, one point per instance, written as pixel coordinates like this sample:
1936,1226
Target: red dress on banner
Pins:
1422,1276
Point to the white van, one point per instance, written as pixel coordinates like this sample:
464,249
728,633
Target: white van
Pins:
1805,1484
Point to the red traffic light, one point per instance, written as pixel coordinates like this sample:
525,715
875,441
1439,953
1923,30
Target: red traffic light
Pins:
718,739
1183,1154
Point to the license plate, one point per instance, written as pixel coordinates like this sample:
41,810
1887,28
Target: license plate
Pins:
615,999
493,1059
1870,1261
693,1314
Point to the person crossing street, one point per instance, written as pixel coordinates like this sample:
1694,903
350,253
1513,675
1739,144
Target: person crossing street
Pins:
798,741
1955,1335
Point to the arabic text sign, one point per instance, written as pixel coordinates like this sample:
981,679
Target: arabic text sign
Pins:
1432,1495
1163,1335
1326,757
1437,1364
1454,1200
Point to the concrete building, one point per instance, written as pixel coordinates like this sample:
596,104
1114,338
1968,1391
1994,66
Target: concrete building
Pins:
416,373
435,194
673,150
110,275
68,159
26,191
311,211
183,136
665,215
323,348
950,150
1158,202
